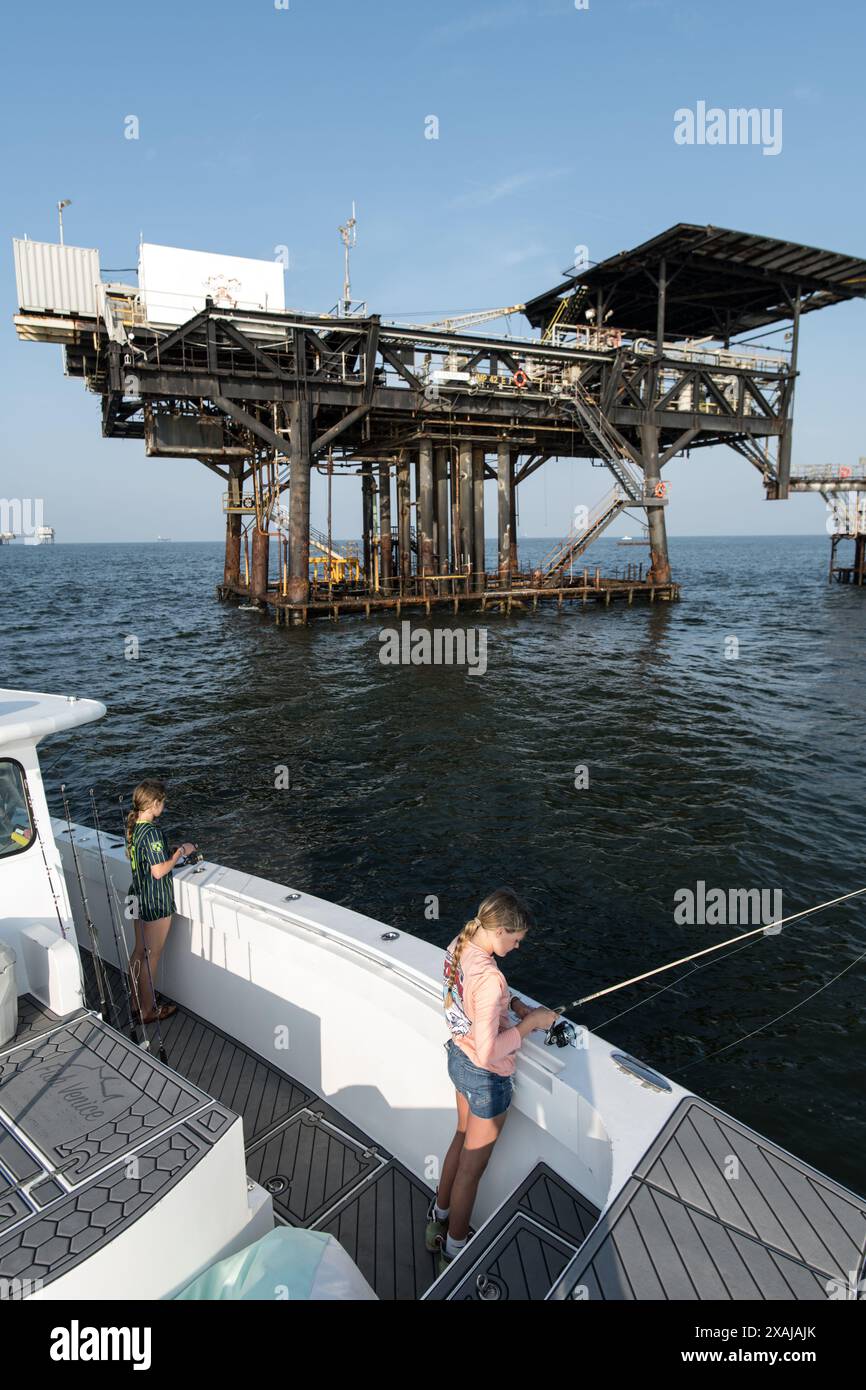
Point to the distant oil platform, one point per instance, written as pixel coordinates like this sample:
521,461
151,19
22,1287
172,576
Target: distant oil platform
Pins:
43,535
629,363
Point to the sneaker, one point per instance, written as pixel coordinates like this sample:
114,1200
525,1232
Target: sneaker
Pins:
442,1259
436,1231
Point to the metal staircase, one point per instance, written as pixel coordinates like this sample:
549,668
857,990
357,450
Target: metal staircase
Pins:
628,489
562,555
413,538
566,313
611,449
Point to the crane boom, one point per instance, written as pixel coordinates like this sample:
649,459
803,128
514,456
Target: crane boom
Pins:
466,320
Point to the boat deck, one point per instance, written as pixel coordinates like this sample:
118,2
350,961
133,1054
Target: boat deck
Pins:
77,1100
321,1170
712,1212
715,1211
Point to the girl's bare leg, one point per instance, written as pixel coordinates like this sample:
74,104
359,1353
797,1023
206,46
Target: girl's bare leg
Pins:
481,1135
154,936
452,1158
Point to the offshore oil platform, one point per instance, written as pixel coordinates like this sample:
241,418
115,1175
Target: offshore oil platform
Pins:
630,362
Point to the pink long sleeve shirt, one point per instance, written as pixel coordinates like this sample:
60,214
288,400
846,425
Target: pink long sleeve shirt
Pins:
479,1013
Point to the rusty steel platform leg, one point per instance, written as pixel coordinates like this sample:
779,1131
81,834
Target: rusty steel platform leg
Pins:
367,520
505,485
385,525
660,569
440,517
478,557
404,546
232,566
425,508
466,508
260,563
299,505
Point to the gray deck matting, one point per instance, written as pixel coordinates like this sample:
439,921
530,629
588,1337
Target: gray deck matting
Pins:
82,1094
75,1099
525,1246
775,1229
34,1018
322,1170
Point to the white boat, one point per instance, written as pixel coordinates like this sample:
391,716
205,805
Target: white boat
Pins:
305,1105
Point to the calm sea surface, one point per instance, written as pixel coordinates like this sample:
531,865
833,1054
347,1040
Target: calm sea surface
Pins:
413,781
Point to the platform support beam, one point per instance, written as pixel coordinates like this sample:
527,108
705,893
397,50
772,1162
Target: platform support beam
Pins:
783,473
440,513
466,509
385,524
367,520
299,503
404,545
512,524
660,569
454,481
234,520
505,489
478,558
425,508
260,562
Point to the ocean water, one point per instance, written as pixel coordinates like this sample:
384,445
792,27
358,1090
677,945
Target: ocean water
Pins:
722,742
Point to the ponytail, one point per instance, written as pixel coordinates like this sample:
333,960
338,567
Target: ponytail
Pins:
501,908
463,939
145,794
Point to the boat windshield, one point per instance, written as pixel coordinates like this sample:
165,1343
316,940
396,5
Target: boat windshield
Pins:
16,827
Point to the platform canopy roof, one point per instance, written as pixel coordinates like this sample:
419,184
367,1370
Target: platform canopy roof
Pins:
719,282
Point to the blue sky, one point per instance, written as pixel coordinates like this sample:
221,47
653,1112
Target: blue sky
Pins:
258,126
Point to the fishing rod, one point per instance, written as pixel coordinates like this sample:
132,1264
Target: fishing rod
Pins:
119,935
163,1055
63,932
101,982
562,1033
35,824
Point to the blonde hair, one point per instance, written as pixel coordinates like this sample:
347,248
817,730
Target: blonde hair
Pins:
500,909
145,794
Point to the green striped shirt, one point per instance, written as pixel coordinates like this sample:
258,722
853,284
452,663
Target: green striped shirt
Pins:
155,895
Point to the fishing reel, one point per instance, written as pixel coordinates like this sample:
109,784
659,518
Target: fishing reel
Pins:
561,1034
195,858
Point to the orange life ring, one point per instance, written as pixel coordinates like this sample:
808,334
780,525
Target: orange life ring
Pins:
844,471
520,378
660,489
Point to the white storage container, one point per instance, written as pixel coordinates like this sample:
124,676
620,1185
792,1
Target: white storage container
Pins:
56,279
8,995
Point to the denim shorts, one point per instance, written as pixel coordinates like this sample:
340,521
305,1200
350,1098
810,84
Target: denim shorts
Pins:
488,1093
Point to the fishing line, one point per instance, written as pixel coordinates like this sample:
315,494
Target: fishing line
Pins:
119,935
765,930
769,1024
108,1010
680,978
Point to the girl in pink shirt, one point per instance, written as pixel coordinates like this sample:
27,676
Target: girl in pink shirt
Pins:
481,1058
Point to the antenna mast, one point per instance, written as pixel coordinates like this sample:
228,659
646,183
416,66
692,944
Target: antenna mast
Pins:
349,238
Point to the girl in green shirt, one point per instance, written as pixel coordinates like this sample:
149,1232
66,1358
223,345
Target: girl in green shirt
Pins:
152,892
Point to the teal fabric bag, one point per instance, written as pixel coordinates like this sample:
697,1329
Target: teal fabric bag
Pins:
289,1264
